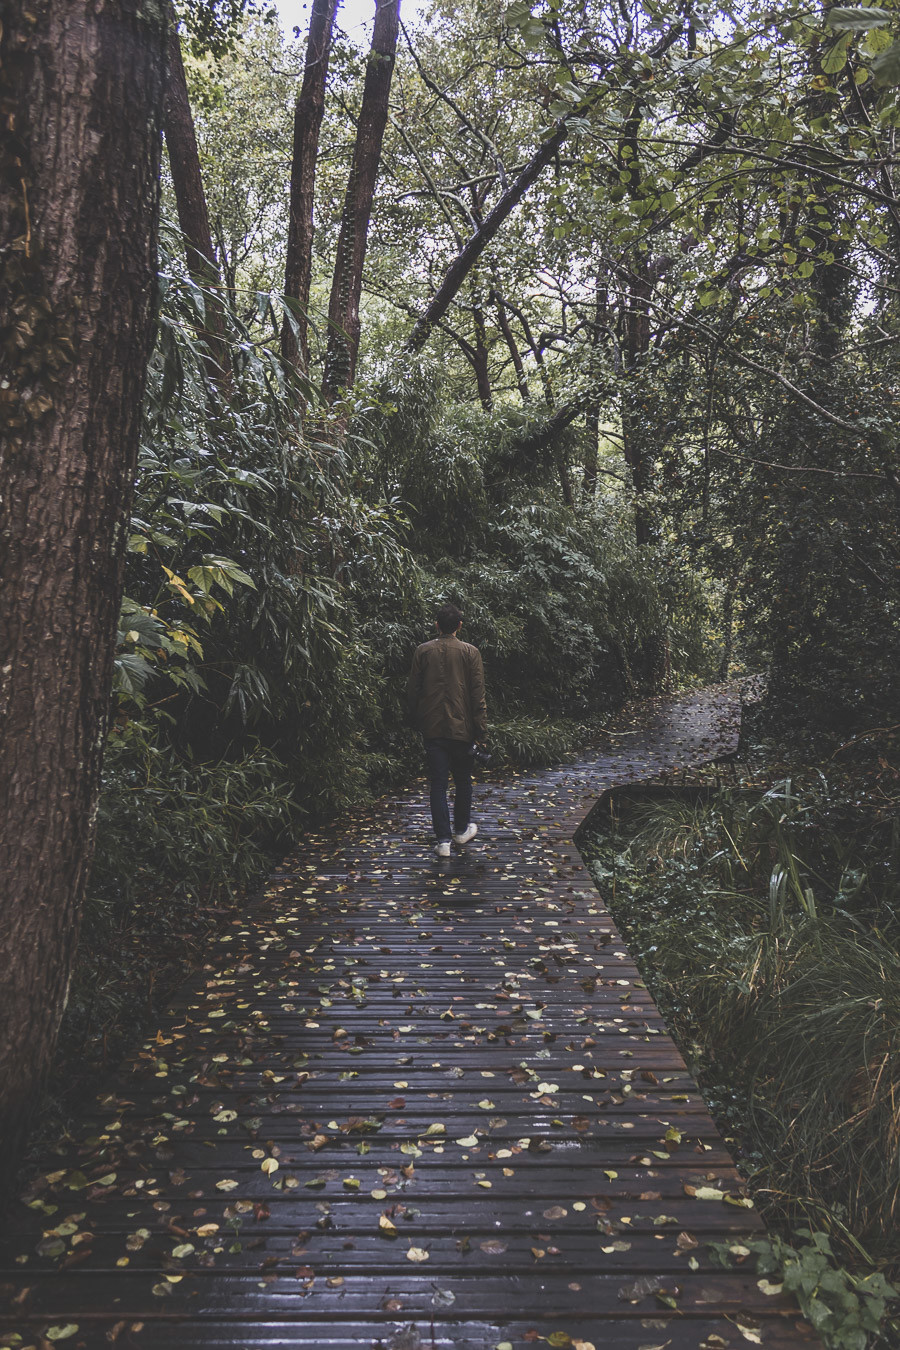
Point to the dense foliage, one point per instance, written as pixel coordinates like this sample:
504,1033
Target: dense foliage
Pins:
767,925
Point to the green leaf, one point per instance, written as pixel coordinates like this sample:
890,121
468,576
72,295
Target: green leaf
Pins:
835,57
852,19
886,67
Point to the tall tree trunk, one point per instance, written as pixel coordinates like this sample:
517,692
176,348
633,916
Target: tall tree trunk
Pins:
308,113
190,200
482,371
509,338
635,347
83,88
592,416
346,284
592,429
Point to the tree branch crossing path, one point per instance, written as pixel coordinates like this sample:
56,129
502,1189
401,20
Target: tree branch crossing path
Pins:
411,1104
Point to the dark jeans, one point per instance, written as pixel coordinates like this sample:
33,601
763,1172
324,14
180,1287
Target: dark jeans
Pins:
443,757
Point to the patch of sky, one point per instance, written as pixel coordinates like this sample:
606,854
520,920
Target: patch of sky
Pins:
355,17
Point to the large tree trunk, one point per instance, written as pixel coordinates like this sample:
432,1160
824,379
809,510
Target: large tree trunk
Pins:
346,285
308,113
635,346
83,83
480,364
190,200
592,416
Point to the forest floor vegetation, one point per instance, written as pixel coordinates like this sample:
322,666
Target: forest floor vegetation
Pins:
765,916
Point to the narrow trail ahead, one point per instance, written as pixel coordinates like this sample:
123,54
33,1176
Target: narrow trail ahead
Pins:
412,1104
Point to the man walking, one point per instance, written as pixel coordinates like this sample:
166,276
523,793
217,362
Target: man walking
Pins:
445,695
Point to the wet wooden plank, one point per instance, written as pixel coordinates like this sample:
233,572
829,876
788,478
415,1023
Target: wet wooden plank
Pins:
410,1104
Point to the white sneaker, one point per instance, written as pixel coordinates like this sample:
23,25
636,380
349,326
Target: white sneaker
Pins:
442,849
468,833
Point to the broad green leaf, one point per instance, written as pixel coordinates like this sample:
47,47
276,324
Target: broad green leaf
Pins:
845,18
886,67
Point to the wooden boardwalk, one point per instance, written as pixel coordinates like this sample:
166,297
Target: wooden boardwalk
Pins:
410,1104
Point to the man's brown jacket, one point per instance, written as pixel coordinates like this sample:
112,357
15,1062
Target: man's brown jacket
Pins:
445,690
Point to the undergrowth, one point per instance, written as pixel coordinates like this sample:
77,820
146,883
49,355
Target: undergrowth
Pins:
767,925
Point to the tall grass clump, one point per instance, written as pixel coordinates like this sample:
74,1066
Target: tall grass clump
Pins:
766,925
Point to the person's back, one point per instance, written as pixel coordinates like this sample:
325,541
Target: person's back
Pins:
447,693
445,697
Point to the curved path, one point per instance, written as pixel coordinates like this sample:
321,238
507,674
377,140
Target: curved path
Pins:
409,1105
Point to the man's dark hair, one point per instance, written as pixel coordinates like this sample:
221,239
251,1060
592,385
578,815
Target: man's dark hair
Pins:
448,617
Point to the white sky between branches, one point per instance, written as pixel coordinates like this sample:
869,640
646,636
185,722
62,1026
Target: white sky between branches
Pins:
354,16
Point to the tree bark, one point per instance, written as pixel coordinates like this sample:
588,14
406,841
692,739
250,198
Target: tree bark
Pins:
480,363
346,284
471,251
592,428
83,90
308,114
190,200
592,416
635,347
510,339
